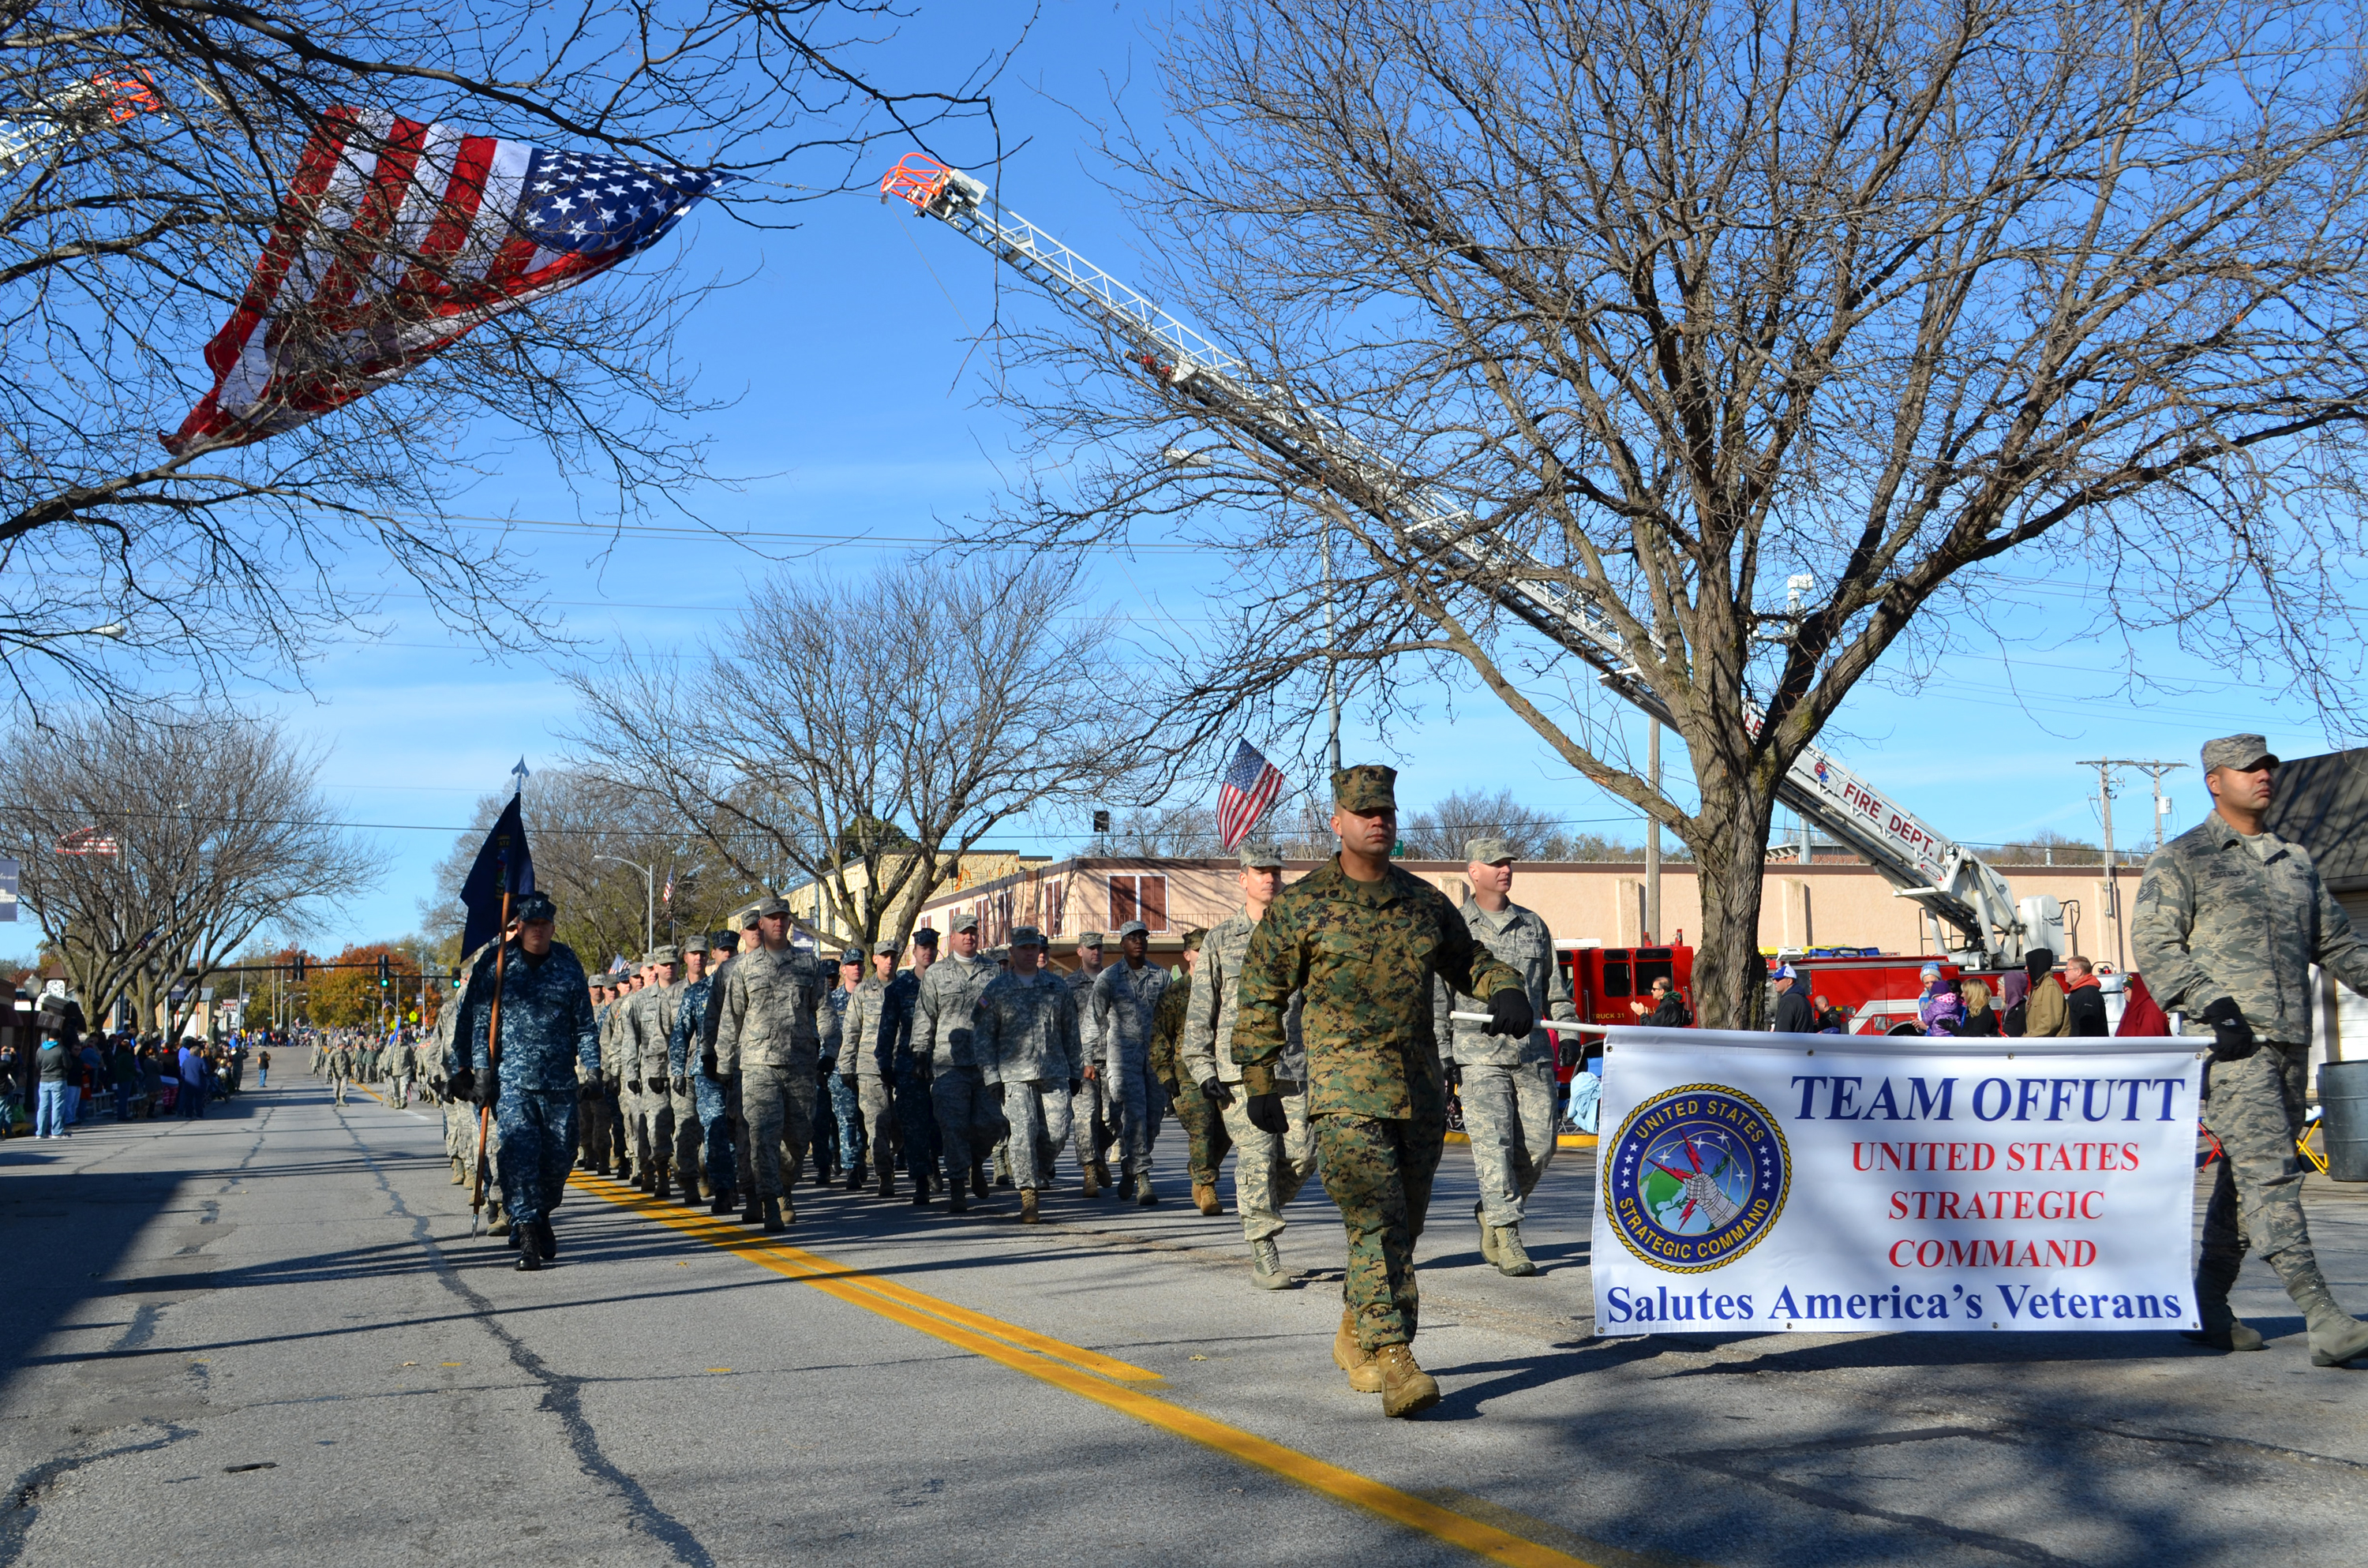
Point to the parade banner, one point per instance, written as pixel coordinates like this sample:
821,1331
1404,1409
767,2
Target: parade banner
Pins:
1830,1184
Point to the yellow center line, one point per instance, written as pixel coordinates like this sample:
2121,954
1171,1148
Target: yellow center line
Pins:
1051,1361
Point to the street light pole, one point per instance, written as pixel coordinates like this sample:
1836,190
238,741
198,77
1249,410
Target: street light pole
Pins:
650,906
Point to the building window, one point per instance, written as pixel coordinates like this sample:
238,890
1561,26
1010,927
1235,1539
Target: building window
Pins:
1139,898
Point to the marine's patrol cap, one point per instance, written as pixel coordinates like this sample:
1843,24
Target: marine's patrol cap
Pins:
1488,851
666,955
534,907
2243,752
774,904
1259,855
1134,928
1193,936
1368,787
963,923
926,937
1027,937
1089,939
852,955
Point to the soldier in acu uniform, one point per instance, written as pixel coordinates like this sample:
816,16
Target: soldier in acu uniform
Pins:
1268,1171
1086,1107
1124,998
766,1035
2230,917
1507,1085
867,1061
1024,1034
969,1114
546,1031
1204,1126
1364,940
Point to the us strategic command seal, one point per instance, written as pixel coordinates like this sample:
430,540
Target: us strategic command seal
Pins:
1696,1177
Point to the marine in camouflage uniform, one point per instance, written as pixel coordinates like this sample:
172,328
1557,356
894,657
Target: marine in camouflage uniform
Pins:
1025,1039
1366,953
969,1109
1087,1121
546,1032
873,1023
766,1034
2227,925
648,1025
1125,997
1269,1172
1204,1125
1507,1085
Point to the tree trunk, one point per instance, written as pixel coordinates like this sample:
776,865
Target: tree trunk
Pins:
1730,865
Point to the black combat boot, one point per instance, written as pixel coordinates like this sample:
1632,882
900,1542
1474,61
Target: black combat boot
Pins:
663,1189
547,1237
530,1247
920,1189
855,1177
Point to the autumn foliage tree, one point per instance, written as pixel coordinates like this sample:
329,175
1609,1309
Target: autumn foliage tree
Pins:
344,993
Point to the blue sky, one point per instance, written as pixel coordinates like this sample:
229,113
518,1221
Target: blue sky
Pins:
849,342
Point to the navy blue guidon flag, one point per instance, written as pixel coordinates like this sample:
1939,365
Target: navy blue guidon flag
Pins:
503,864
1250,785
395,238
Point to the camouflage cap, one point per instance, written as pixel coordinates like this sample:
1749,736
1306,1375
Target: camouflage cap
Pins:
2243,752
886,945
667,954
1488,851
1193,936
773,903
1134,928
852,955
963,923
1368,787
722,942
1089,939
1258,854
746,918
1027,937
534,907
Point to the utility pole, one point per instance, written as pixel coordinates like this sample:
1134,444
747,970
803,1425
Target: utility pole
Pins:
2154,770
2108,767
1653,832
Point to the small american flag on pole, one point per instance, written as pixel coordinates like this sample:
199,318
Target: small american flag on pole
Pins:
1250,786
396,238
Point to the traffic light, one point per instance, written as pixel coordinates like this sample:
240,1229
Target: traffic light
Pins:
299,967
382,970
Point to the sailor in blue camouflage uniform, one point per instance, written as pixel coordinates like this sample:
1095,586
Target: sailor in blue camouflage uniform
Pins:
546,1033
698,1098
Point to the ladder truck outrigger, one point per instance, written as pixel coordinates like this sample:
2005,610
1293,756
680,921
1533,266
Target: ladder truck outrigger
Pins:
1977,923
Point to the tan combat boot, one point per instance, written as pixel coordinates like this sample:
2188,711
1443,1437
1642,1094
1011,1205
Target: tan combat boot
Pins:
1406,1388
1364,1372
1092,1188
1487,1237
1027,1215
1205,1198
1512,1258
460,1174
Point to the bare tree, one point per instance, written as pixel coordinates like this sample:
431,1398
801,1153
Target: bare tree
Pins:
1771,343
149,149
151,846
864,736
591,840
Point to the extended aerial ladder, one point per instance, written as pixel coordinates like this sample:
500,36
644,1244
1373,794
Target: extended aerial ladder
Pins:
1973,911
30,133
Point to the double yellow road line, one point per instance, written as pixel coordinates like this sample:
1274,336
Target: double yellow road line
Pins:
1088,1374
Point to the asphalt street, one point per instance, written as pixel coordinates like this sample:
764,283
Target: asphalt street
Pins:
267,1338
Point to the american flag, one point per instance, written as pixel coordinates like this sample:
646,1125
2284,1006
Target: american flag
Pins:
1250,786
396,239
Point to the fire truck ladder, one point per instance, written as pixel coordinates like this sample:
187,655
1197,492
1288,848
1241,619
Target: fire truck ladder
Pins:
30,132
1973,909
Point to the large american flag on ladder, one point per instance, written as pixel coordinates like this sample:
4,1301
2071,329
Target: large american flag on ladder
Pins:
1249,788
397,237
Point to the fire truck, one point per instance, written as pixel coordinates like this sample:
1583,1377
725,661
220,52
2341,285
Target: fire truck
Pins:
1977,924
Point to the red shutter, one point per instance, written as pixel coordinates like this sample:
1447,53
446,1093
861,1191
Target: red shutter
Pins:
1123,902
1151,897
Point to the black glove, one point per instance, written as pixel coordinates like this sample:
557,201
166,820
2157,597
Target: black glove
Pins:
2232,1036
1218,1094
709,1065
488,1090
682,1083
1510,1013
464,1084
1573,1051
1454,1073
1265,1112
1077,1088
